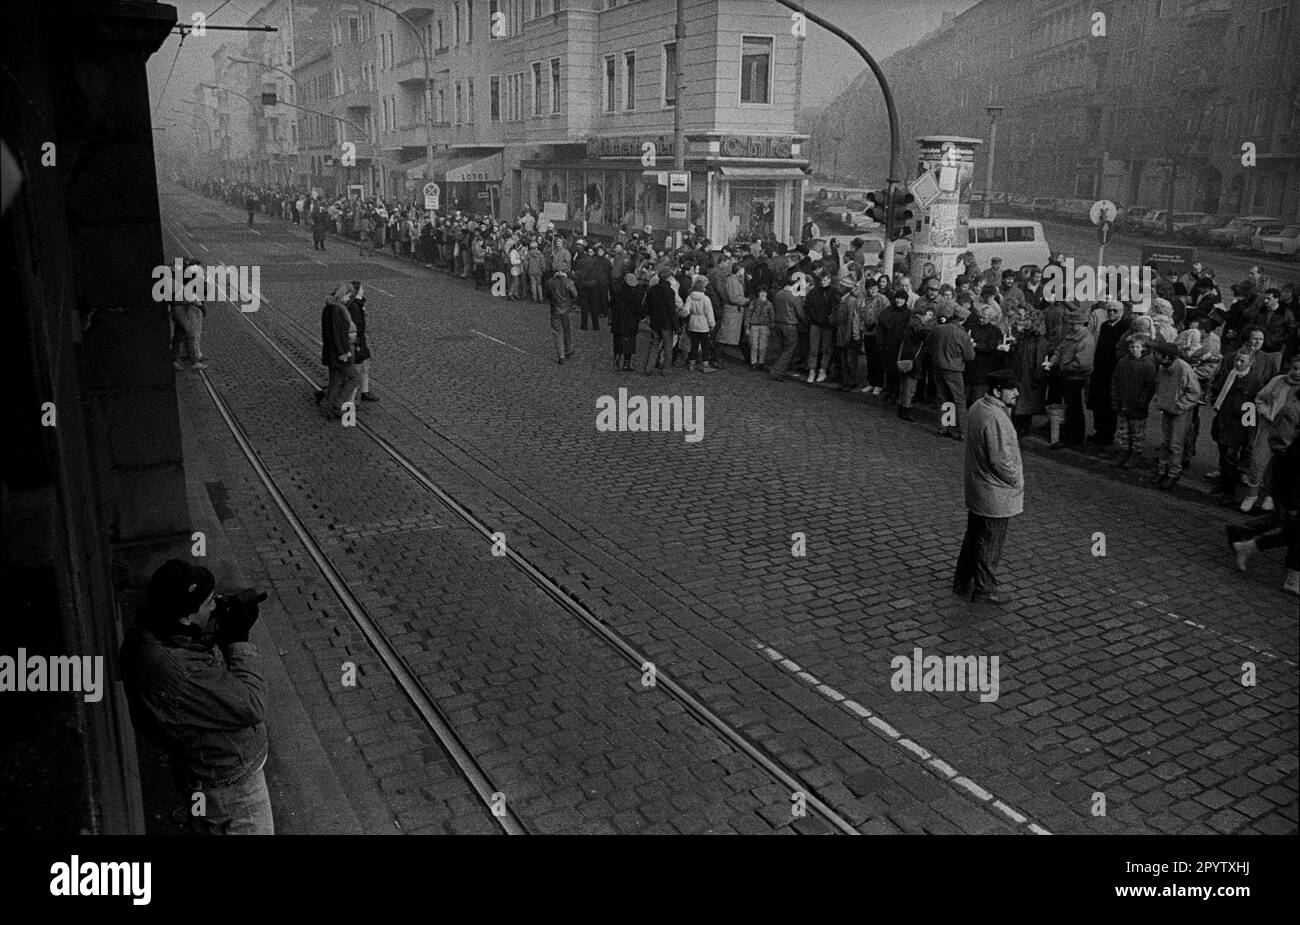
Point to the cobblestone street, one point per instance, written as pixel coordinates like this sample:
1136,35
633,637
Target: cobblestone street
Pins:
1121,675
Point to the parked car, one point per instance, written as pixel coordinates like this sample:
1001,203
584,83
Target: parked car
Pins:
1238,232
1019,203
1152,222
1198,233
1263,231
1284,243
1073,210
1130,217
1179,221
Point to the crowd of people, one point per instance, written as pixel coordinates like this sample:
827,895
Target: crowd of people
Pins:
824,314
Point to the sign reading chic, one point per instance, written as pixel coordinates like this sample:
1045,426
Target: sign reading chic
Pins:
767,146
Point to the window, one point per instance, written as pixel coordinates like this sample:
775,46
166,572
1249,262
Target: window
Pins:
537,88
993,235
629,79
670,73
442,106
354,30
755,70
460,102
611,89
469,87
469,21
442,38
455,24
555,85
494,99
1020,233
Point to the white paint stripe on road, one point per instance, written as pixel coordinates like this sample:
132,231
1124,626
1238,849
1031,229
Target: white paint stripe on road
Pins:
949,774
205,247
1234,640
501,342
384,291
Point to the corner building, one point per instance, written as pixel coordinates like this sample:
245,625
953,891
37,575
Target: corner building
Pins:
556,112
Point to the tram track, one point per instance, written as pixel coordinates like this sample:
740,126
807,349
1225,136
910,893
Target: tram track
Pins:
299,340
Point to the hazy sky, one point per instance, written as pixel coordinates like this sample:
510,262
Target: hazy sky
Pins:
883,26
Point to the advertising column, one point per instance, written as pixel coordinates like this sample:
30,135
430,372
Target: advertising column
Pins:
942,188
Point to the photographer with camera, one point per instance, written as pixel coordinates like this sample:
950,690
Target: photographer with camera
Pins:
195,691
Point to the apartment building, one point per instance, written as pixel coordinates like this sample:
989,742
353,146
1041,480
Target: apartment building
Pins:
554,104
1152,103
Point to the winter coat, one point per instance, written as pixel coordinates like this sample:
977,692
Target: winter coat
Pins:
819,304
949,347
661,306
337,331
786,308
1074,357
994,475
759,313
1228,428
700,317
562,294
625,310
360,347
1176,388
1132,386
890,325
985,340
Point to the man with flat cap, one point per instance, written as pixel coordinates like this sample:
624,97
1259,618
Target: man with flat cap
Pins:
994,487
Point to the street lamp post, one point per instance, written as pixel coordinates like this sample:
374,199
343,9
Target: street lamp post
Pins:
895,142
428,88
993,112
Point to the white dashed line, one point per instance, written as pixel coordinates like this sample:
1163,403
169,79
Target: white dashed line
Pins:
1234,640
384,291
940,767
501,342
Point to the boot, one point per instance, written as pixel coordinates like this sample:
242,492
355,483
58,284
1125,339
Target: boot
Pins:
1292,583
821,375
1159,475
1168,482
1121,461
1134,457
905,413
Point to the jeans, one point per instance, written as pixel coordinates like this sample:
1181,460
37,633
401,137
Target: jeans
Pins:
907,388
661,349
343,383
850,355
239,809
1252,474
1173,430
757,343
1131,434
535,286
187,328
699,345
981,548
587,307
363,368
562,333
819,347
784,338
872,359
952,388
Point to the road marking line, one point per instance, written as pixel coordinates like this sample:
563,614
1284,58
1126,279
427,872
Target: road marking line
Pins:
384,291
1234,640
501,342
929,759
205,247
314,260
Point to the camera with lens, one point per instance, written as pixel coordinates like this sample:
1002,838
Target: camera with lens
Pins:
236,613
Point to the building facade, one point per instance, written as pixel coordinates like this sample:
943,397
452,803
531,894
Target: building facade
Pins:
1147,102
551,104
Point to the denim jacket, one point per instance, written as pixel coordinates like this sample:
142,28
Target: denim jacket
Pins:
204,706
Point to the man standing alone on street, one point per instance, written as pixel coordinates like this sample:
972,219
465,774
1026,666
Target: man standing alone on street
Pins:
562,294
994,487
338,334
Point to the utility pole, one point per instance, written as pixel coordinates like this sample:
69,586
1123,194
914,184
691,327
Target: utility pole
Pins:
993,147
679,78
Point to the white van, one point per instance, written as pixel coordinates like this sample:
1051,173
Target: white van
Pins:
1017,241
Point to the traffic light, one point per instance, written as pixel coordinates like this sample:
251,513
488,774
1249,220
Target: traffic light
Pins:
900,215
878,207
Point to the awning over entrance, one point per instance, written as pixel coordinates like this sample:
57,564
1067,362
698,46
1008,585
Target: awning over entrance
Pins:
484,168
762,173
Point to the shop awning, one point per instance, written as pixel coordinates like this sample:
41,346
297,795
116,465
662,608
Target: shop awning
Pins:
477,168
762,173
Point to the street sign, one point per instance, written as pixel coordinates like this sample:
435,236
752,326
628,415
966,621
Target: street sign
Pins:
925,188
431,196
1167,257
1103,210
1103,233
679,182
268,99
678,216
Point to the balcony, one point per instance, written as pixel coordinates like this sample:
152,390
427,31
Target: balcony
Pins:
1205,12
411,71
356,99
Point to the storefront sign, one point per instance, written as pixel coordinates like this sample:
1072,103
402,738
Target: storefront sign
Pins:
555,211
629,146
765,146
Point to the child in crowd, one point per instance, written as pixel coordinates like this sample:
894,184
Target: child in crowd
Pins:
1133,385
1177,393
758,318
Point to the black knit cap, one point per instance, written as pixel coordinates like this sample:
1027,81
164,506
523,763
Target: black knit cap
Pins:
177,589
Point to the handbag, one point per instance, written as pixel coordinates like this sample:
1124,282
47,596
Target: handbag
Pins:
905,366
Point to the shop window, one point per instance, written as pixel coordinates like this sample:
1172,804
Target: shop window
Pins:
756,70
751,211
576,181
